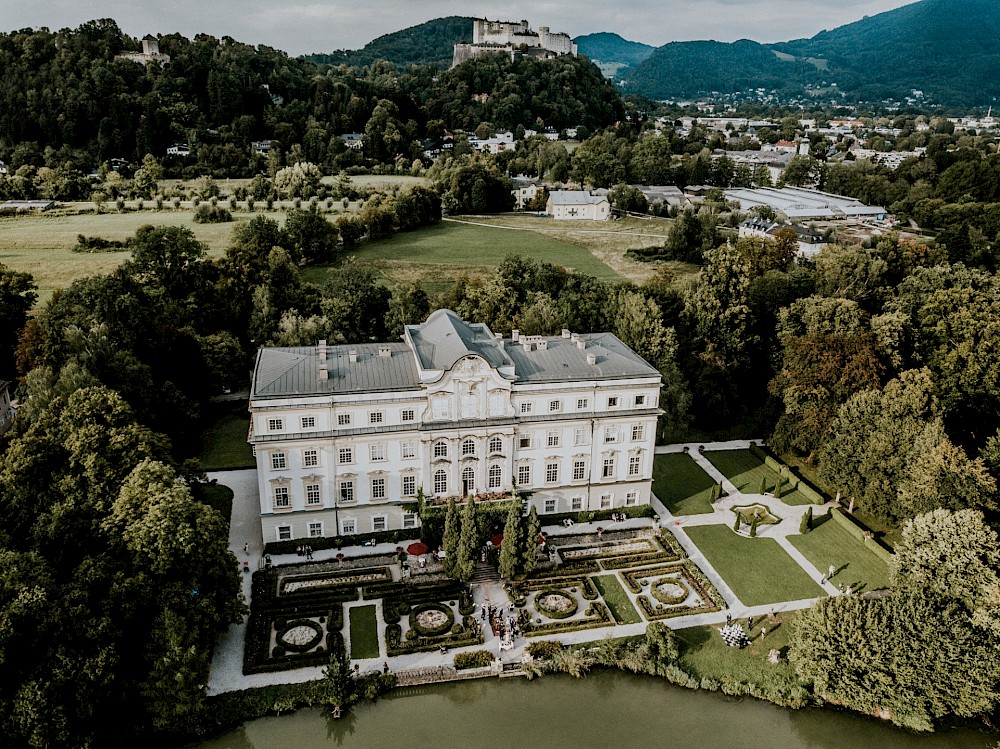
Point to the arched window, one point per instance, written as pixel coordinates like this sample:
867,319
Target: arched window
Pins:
468,447
496,445
468,481
441,449
495,476
440,482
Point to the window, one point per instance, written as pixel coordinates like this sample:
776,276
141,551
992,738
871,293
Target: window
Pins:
343,420
375,417
409,486
552,439
440,482
634,465
409,520
379,523
613,401
348,526
281,498
581,436
551,472
550,506
495,479
315,530
409,414
524,475
607,500
346,491
308,422
440,449
610,435
345,455
275,425
526,408
524,441
579,470
576,504
377,452
638,432
468,447
609,468
277,461
631,498
582,404
496,445
310,458
378,488
555,406
284,532
468,481
640,400
312,494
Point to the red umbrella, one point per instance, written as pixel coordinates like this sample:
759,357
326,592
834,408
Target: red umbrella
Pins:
417,548
497,539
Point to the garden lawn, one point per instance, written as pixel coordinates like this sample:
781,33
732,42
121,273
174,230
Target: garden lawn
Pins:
757,569
745,470
830,543
364,633
681,484
618,602
705,655
224,441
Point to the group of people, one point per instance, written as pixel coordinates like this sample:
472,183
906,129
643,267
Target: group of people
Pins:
502,621
304,551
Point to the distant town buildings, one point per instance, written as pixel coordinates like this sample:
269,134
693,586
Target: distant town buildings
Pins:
512,39
809,242
150,52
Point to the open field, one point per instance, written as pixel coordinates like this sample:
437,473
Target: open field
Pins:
681,485
746,470
830,543
757,569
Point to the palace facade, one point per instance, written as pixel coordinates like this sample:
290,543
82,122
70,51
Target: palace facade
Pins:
347,436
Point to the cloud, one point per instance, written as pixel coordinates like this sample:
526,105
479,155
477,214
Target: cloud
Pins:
325,25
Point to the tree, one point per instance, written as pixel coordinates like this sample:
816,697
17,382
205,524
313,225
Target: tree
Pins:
510,560
300,180
17,297
452,538
530,551
468,544
337,685
168,254
311,237
807,521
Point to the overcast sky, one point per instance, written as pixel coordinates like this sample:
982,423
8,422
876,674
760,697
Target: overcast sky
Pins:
300,26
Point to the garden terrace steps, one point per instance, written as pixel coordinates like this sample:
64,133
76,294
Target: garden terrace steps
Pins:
485,573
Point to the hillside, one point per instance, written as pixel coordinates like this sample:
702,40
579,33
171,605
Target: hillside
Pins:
608,47
949,49
430,43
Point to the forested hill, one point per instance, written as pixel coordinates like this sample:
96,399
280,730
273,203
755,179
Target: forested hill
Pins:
607,47
430,43
949,49
69,92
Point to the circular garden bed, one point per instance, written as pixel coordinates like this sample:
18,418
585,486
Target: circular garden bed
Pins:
669,590
432,619
555,604
299,635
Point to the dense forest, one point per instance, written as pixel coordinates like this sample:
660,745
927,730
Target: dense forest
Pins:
431,43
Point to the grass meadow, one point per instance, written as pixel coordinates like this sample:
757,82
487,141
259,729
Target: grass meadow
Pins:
682,485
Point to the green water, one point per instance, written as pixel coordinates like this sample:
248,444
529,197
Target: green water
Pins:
606,709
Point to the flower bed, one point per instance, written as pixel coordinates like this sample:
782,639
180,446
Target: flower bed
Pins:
608,549
351,578
597,615
585,584
432,619
683,574
757,510
669,591
555,604
467,633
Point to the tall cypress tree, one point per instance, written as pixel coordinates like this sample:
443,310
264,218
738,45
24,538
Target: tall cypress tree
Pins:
468,544
509,549
530,558
450,541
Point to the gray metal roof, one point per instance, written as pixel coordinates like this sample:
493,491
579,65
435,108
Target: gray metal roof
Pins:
575,197
445,338
284,372
562,360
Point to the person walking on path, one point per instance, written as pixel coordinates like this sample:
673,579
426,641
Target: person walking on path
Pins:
831,572
246,548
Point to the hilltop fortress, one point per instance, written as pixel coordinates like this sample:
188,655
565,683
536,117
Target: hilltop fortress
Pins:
512,39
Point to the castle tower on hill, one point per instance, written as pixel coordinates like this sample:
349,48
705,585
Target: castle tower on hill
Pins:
514,40
150,52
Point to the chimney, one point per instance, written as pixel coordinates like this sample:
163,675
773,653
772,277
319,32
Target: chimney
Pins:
575,337
515,335
591,359
324,373
352,356
384,352
543,345
565,333
321,349
526,345
581,344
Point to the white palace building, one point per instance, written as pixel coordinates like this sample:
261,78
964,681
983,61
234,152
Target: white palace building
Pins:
346,436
